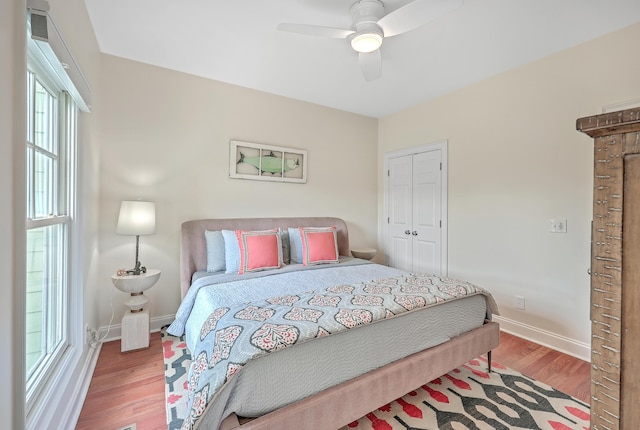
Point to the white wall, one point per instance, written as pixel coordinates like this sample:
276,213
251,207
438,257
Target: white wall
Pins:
164,136
515,162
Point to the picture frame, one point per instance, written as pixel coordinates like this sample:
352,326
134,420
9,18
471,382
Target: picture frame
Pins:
259,162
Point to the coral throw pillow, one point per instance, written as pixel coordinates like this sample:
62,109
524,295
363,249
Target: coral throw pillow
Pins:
319,245
259,250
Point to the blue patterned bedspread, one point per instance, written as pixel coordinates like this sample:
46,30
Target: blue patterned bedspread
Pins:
232,336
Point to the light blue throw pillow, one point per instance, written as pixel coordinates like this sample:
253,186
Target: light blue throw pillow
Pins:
215,251
295,246
231,251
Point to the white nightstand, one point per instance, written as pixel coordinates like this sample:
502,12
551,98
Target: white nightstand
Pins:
364,253
135,323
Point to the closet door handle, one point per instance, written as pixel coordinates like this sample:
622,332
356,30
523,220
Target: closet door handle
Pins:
407,232
415,233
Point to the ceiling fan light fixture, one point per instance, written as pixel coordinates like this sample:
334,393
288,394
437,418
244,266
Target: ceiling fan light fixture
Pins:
366,41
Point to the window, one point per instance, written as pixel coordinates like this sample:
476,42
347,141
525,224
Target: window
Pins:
50,157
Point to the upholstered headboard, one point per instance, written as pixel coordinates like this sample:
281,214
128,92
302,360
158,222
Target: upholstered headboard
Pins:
193,248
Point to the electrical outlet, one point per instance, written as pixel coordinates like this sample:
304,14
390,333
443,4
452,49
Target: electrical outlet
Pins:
90,336
520,302
558,225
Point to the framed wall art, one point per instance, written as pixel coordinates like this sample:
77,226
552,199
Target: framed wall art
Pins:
267,162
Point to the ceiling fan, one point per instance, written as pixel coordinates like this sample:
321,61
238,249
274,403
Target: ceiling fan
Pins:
370,27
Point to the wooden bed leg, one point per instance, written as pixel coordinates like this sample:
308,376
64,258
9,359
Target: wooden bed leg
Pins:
489,360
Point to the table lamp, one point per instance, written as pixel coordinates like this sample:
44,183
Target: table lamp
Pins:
137,219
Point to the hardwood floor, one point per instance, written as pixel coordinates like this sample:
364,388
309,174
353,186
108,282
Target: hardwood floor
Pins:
125,389
563,372
129,388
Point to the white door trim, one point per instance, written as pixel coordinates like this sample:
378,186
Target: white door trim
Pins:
441,145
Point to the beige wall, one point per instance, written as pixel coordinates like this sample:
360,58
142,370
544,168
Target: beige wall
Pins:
164,136
515,162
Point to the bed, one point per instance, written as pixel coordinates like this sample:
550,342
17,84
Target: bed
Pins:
351,348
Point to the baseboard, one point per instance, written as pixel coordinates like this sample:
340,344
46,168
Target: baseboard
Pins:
551,340
114,332
76,402
61,403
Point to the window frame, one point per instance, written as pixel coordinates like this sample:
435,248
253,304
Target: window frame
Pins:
57,354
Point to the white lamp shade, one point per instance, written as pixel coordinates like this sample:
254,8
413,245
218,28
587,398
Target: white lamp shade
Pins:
136,218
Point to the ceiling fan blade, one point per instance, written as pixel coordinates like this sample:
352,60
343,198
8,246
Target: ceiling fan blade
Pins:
315,30
416,14
371,65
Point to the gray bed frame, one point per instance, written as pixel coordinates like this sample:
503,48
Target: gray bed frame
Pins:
344,403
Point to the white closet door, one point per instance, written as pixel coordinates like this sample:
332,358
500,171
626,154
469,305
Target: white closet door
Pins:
427,201
400,243
415,212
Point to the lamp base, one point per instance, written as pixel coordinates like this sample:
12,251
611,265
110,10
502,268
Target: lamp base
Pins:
137,270
135,331
136,302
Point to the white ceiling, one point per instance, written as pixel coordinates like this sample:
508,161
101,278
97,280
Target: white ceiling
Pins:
236,41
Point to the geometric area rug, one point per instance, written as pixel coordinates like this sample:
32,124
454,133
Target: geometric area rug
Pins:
176,367
465,398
